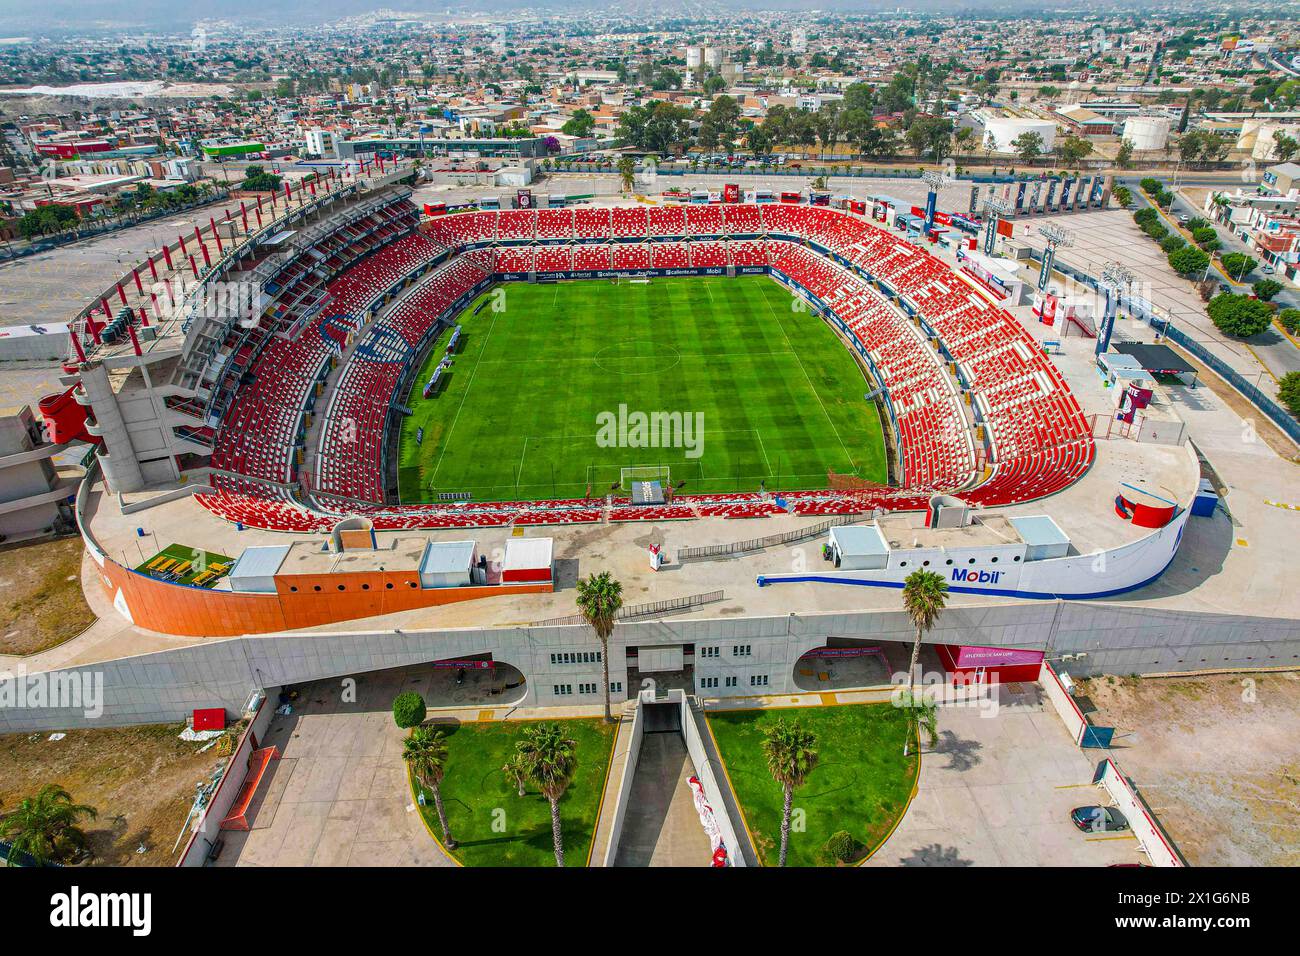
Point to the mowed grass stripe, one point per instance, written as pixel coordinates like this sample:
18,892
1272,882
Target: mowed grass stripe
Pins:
781,398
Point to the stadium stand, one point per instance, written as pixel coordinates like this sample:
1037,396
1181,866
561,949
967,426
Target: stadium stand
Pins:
369,295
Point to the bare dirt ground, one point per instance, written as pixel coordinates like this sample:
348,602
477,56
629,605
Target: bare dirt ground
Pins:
43,603
140,779
1217,758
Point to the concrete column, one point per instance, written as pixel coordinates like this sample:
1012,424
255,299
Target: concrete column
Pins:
117,455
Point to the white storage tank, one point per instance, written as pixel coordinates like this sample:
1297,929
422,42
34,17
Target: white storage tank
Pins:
1147,132
1005,130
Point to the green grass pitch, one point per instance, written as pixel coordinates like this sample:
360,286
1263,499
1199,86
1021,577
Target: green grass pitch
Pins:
781,398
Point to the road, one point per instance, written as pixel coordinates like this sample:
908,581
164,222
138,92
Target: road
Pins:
1278,352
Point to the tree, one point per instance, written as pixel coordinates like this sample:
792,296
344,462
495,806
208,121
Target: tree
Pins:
1124,196
1188,260
1028,146
1290,319
1238,265
516,770
1284,146
924,713
1289,391
425,752
925,594
45,827
1124,155
1266,289
1205,235
550,759
1072,149
791,752
409,710
257,180
930,136
627,173
580,124
599,599
1239,315
48,219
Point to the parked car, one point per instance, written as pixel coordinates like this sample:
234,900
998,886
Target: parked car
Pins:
1184,219
1098,819
1268,270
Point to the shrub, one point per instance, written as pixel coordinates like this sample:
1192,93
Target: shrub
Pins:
1239,315
1196,222
1289,391
409,710
1267,288
1238,264
1164,199
1144,215
1156,230
1188,260
1204,234
1170,243
1290,319
1150,185
841,847
1124,196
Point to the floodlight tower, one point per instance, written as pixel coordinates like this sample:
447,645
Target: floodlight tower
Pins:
994,209
1058,237
934,181
1114,278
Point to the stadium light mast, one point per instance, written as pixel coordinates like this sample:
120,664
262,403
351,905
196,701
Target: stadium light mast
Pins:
1058,237
1114,278
933,180
994,209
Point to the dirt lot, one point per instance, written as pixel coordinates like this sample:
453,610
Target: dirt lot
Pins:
1217,758
140,779
43,603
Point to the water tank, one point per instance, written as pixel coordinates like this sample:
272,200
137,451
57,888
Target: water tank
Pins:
1147,132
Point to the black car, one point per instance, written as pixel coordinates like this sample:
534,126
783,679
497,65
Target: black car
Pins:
1098,819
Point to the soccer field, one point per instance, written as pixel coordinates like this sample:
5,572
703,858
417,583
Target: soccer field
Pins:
531,405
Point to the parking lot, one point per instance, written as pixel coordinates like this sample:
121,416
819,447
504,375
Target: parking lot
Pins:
998,791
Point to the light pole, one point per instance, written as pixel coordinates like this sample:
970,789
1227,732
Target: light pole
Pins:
994,208
934,181
1057,237
1114,277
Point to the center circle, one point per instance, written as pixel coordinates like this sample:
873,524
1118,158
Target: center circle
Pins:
638,357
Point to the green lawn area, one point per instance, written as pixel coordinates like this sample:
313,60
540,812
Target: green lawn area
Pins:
861,782
780,396
475,792
196,558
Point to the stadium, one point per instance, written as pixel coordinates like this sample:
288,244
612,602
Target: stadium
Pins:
416,431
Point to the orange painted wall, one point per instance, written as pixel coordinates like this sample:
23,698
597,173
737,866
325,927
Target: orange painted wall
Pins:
198,612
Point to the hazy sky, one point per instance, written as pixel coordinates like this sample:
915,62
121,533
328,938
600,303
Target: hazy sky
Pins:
41,17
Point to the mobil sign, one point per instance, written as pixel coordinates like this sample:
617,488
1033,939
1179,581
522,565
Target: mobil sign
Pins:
975,576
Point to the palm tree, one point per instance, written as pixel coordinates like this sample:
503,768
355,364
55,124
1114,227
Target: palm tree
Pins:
45,827
925,712
791,753
599,598
551,760
924,596
425,752
627,173
517,770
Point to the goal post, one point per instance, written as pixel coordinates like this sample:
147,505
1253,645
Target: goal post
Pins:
660,473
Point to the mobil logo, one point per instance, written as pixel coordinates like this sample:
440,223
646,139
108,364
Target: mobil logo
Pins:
974,576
